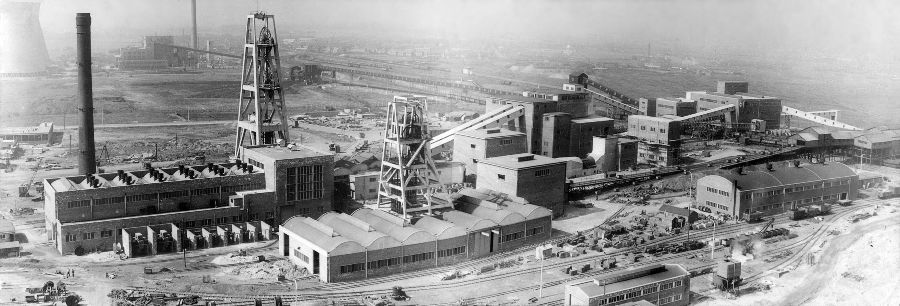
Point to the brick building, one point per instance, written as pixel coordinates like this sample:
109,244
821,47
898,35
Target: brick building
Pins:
472,146
216,203
736,195
540,180
300,178
659,284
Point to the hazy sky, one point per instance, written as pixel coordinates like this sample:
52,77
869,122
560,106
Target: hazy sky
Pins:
846,28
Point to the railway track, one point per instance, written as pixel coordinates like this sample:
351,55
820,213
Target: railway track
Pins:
336,291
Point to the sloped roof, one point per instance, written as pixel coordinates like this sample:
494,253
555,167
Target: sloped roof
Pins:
469,222
359,231
321,235
790,175
439,228
393,226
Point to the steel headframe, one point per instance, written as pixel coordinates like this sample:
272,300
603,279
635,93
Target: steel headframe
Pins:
408,174
261,106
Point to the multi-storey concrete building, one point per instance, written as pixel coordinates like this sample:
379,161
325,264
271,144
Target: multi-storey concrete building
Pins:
612,153
540,180
674,107
472,146
300,178
647,106
659,284
583,131
747,106
659,139
371,243
557,128
736,195
535,108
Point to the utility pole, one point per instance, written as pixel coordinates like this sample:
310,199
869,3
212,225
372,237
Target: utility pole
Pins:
541,286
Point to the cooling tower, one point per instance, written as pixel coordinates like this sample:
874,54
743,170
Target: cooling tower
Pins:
23,52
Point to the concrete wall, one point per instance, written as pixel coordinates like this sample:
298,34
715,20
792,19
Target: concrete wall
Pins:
547,191
582,135
555,134
115,225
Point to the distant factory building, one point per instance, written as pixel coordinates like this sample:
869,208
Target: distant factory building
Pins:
673,107
472,146
155,53
536,104
370,243
564,136
659,284
747,106
42,133
660,139
537,179
775,190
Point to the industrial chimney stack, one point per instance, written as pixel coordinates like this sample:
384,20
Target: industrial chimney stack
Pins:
194,42
87,163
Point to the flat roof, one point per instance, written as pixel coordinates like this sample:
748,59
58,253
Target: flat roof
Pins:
664,272
490,133
591,119
521,161
42,128
520,98
289,152
650,118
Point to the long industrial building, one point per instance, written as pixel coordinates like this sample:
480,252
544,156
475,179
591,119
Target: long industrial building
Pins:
99,211
660,284
369,243
775,190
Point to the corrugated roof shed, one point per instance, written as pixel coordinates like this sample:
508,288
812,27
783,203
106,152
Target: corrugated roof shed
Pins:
358,231
322,236
393,226
439,228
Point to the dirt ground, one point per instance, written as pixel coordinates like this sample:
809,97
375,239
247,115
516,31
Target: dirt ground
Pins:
850,268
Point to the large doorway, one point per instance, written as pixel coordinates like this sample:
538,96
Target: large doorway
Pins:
315,262
287,244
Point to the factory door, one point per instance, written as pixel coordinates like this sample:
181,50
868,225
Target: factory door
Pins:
287,244
315,262
843,196
495,240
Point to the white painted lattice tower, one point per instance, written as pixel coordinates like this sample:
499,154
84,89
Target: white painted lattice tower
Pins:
261,117
408,174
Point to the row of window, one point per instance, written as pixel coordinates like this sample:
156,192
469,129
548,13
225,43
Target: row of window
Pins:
352,268
70,237
535,231
300,255
721,192
542,172
418,257
452,252
513,236
796,189
644,290
164,195
255,163
716,205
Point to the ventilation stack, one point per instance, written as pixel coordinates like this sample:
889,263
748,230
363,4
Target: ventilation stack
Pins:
87,163
194,42
23,52
408,174
261,117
